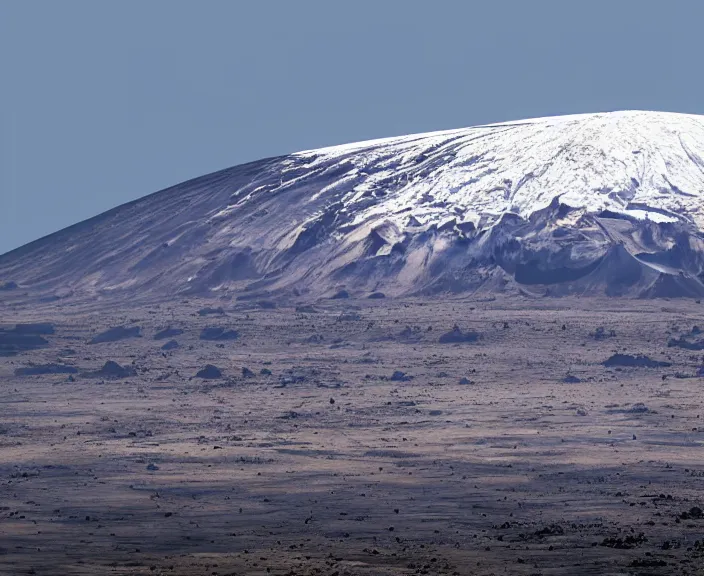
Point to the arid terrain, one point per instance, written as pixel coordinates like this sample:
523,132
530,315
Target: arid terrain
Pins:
353,437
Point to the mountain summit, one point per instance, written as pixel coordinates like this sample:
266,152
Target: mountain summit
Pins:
609,203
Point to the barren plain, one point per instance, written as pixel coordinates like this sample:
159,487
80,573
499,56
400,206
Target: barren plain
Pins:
352,437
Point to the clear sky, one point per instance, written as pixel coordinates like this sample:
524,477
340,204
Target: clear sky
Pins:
103,102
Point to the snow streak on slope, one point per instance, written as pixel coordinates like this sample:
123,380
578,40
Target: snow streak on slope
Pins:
596,203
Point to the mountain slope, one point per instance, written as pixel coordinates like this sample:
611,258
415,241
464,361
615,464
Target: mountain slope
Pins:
607,203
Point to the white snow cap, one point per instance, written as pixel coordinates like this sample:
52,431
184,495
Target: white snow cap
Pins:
646,164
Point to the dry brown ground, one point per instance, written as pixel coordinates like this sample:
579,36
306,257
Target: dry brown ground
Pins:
344,471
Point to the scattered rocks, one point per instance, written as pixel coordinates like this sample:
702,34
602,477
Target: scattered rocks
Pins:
686,344
637,408
601,334
296,375
457,336
116,334
552,530
626,543
404,416
647,563
694,513
209,372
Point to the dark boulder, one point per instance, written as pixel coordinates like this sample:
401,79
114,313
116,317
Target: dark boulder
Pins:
552,530
457,336
399,376
112,369
209,372
601,334
640,361
218,333
170,345
694,513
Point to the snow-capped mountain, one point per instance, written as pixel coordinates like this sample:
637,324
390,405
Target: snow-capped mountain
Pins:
608,203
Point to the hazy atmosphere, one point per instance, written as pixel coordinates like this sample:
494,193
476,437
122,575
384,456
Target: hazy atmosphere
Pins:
102,103
351,288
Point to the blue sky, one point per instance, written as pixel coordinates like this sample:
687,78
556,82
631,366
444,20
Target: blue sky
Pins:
104,102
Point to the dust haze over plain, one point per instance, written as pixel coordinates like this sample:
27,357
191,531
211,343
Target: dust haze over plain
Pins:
103,104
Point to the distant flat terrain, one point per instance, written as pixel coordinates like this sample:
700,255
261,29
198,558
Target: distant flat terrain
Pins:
353,437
